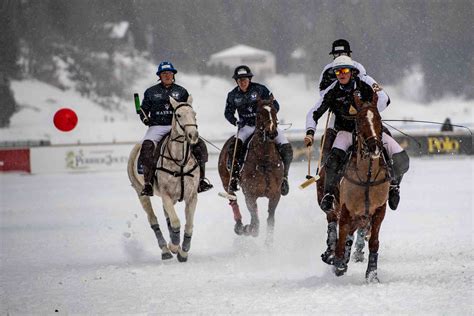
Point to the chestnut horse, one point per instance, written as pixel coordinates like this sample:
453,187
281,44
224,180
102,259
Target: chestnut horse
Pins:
261,174
363,191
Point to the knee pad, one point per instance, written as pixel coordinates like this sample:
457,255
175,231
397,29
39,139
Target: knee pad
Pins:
401,163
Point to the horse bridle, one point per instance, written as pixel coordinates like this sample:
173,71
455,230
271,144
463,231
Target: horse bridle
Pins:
182,126
262,128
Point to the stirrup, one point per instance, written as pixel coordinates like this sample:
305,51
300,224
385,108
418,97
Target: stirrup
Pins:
327,202
204,185
147,190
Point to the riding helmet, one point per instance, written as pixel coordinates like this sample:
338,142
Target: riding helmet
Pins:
341,46
165,66
242,71
343,62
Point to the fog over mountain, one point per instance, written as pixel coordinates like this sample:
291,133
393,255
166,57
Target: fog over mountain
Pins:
42,38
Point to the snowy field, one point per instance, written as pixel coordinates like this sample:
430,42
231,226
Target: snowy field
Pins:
81,244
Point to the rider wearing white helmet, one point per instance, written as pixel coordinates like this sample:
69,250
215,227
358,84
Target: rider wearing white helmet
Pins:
339,99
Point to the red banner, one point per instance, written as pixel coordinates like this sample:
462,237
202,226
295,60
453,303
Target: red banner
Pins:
15,160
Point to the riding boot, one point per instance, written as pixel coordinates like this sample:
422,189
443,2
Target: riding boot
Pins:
399,166
200,153
235,158
146,156
286,153
328,141
204,183
334,163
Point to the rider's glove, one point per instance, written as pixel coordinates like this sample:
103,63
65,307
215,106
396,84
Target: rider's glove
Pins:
308,140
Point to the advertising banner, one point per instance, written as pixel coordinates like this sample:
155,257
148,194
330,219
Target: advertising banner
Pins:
79,158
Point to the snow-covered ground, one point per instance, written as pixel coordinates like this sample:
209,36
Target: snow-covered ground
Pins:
81,244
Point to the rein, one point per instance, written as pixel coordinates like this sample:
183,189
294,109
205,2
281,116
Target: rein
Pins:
181,163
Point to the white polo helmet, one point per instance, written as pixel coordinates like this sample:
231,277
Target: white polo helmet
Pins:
343,62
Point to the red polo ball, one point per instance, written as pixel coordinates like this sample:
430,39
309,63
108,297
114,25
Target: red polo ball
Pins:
65,119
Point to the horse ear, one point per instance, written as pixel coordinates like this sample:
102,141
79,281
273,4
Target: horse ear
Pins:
357,100
173,102
190,100
375,99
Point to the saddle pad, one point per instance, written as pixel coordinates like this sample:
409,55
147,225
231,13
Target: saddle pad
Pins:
139,166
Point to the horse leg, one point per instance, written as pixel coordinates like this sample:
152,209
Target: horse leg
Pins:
190,209
253,227
272,205
174,226
371,273
331,240
146,204
340,264
358,255
238,227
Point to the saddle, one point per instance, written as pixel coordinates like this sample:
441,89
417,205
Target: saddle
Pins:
157,154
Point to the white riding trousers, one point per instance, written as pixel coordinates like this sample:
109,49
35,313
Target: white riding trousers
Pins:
156,133
344,140
246,131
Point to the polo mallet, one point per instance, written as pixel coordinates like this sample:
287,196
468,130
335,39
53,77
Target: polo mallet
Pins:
310,179
225,194
138,107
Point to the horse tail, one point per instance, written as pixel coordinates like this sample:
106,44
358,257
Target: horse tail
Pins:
136,184
131,168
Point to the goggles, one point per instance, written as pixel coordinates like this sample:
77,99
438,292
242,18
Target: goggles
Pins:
342,71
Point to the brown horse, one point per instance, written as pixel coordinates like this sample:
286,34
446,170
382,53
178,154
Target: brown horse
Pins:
363,191
261,174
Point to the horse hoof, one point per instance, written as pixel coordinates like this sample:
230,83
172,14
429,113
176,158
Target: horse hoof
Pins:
239,228
371,277
166,256
339,272
183,257
358,256
250,230
340,267
328,258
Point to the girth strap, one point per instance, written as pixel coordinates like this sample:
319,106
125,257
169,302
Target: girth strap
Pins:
181,174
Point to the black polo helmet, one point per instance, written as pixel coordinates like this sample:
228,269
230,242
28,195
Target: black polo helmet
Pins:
341,46
242,71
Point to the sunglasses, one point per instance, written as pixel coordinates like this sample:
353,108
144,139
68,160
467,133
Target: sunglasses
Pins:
342,71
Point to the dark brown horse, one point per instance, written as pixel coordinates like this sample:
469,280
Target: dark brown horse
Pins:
261,174
363,191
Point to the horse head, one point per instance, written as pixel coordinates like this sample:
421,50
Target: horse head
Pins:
267,121
368,126
184,120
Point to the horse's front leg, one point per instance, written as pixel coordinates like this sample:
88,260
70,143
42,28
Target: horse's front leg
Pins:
238,227
174,226
360,244
189,210
331,240
272,205
340,264
371,273
146,204
254,226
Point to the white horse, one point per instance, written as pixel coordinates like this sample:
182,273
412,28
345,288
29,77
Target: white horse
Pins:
178,178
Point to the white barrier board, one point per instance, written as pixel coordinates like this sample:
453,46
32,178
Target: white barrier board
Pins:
79,158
